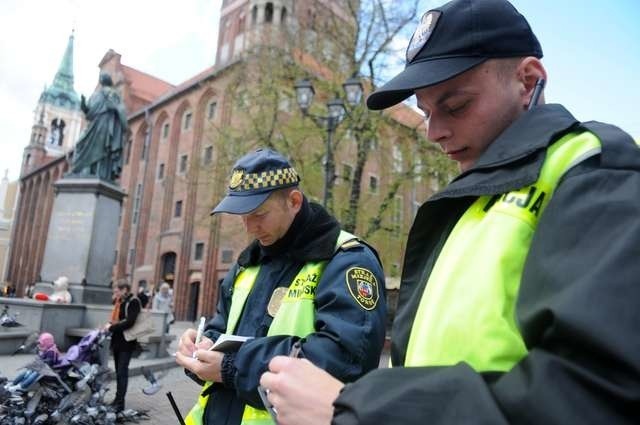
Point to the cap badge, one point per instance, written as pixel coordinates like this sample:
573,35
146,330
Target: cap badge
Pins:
236,179
422,33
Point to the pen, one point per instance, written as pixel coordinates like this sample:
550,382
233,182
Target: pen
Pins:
199,333
200,330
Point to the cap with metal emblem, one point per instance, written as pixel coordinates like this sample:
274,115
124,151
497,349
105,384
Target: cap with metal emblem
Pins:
253,178
454,38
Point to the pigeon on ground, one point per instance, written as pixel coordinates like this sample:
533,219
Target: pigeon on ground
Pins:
28,345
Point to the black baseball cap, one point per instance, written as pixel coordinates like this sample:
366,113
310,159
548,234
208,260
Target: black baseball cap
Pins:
254,177
454,38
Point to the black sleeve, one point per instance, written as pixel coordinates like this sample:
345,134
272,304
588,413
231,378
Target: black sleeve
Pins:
578,313
347,340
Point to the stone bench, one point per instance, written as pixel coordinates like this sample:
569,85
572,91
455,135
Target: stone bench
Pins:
154,345
11,339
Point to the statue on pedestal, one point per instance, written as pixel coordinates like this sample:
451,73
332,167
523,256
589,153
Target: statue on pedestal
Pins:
99,149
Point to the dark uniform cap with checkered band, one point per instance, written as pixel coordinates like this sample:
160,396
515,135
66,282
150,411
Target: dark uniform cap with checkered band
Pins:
454,38
252,180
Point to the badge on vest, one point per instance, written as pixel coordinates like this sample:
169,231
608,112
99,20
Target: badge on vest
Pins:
363,287
276,300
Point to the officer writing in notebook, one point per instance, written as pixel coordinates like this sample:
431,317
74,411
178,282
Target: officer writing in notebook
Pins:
519,293
301,279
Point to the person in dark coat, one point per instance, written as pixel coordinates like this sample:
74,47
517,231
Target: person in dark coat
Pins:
313,285
519,293
124,315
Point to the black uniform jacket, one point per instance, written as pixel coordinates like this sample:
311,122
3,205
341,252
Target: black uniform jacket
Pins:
578,307
348,339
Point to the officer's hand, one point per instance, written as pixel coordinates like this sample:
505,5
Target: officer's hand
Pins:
298,389
187,344
206,364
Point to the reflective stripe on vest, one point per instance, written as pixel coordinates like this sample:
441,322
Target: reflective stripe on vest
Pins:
296,316
468,308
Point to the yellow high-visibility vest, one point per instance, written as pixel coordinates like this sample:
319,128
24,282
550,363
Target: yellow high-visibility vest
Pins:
468,308
296,317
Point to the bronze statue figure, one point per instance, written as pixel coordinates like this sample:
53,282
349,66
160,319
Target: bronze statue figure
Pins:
99,149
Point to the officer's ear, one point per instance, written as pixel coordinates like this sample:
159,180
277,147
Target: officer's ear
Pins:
294,200
529,70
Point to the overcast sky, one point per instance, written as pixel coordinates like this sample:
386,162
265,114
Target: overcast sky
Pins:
592,52
172,40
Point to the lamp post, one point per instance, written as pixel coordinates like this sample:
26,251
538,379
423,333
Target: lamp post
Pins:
330,122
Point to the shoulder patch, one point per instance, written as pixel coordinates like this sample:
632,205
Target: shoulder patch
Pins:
363,286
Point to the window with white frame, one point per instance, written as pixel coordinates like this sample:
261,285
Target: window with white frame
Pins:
198,251
207,155
136,204
397,159
186,121
182,166
211,110
227,256
418,169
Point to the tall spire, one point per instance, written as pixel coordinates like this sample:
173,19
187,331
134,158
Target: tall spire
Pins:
61,93
64,76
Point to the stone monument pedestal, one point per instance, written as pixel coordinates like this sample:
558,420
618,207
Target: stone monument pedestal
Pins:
81,243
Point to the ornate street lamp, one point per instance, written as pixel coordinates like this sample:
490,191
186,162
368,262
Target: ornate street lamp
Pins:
336,114
353,89
304,94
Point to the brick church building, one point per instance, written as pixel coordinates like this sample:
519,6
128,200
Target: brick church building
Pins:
177,158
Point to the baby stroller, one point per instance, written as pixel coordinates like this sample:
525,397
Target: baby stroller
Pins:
71,391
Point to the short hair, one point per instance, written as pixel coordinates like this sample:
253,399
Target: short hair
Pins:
124,285
505,67
283,194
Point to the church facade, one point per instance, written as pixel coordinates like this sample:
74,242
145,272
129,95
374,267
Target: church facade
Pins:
182,141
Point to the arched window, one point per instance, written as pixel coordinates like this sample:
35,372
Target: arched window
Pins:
168,267
283,16
186,120
56,132
268,13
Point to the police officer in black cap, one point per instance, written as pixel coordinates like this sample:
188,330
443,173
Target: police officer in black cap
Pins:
519,292
301,280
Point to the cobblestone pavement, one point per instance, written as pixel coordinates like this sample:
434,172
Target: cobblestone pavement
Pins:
184,391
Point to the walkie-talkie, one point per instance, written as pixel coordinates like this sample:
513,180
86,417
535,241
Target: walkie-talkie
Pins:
537,91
